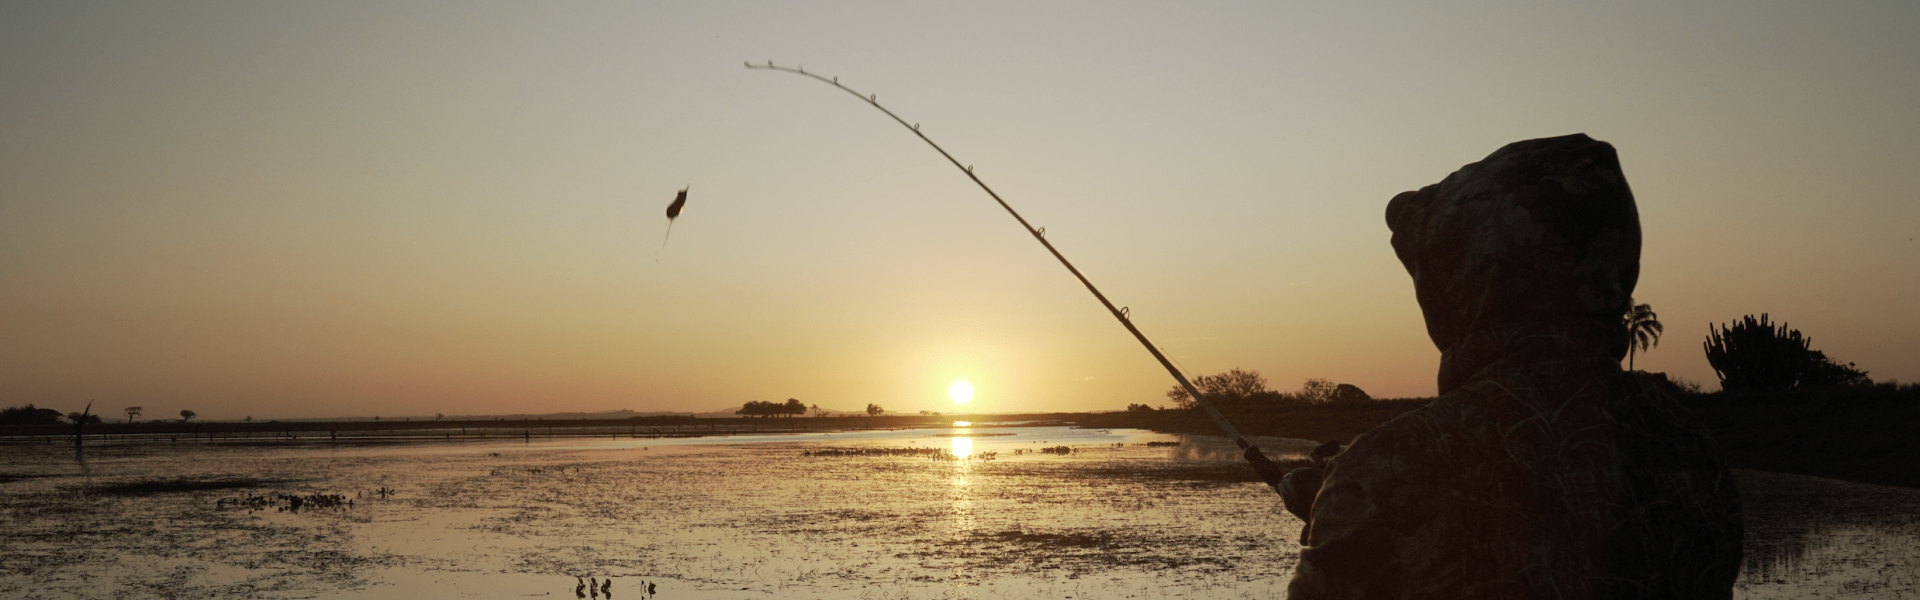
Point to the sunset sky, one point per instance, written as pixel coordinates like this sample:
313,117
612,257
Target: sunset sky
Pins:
312,209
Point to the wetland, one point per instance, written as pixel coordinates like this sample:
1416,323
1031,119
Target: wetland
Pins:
977,512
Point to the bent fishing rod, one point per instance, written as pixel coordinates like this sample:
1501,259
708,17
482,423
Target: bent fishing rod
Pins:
1268,471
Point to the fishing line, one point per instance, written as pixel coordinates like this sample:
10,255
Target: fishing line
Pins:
1267,470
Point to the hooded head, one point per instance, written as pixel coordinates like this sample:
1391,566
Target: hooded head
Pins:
1534,249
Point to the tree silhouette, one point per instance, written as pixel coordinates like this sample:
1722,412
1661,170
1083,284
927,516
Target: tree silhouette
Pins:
187,415
1234,384
874,410
1643,330
133,412
1318,391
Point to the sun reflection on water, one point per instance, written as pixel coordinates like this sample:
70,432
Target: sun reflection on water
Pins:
960,492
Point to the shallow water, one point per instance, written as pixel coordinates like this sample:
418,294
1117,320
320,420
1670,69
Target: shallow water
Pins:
736,517
1812,537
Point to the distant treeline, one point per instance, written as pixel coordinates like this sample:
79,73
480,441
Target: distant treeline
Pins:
41,431
29,415
757,408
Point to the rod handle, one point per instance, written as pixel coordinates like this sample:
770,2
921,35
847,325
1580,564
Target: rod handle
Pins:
1268,471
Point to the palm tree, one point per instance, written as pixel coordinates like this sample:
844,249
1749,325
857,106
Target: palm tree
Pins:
1643,330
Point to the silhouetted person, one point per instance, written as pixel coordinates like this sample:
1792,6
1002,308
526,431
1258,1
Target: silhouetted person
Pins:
1542,470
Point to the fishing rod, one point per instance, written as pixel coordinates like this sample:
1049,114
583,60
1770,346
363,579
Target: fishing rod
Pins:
1268,471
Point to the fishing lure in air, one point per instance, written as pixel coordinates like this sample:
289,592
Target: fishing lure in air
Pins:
673,212
1268,471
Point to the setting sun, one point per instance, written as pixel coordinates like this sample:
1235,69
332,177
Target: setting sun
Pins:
960,391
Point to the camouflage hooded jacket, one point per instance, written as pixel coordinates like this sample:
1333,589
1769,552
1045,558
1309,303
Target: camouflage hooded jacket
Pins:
1543,470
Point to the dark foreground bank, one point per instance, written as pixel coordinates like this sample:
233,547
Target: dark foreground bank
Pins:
1869,434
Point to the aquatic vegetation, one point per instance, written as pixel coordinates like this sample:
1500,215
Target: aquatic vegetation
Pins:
181,485
286,502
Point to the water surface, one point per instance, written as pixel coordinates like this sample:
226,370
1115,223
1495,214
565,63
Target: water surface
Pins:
733,517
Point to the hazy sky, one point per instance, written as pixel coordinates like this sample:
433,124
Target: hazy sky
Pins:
311,209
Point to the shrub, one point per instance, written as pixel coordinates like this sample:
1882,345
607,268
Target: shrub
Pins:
1758,356
1822,372
1347,392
